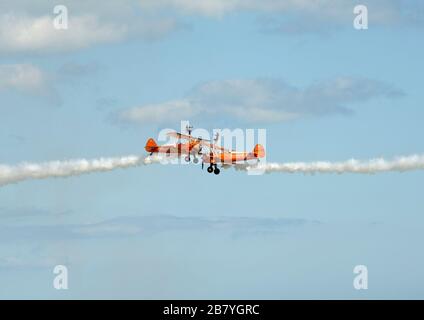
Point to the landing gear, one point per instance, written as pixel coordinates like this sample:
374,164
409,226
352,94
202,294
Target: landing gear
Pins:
187,158
195,160
213,168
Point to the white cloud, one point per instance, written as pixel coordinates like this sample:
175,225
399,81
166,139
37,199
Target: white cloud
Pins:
125,226
302,11
19,33
23,262
221,7
31,80
26,26
262,100
172,110
23,78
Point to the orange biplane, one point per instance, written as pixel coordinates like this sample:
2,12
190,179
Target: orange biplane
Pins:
228,158
194,147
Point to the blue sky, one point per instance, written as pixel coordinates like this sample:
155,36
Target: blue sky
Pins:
177,232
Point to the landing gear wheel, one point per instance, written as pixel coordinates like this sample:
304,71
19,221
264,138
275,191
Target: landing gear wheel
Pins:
187,159
195,160
216,171
210,169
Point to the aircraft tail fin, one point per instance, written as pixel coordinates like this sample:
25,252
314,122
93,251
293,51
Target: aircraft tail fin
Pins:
151,145
259,151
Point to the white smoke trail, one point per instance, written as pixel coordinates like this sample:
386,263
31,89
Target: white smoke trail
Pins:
400,164
25,171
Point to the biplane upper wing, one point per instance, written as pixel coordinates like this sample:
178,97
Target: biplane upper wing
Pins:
203,142
179,135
